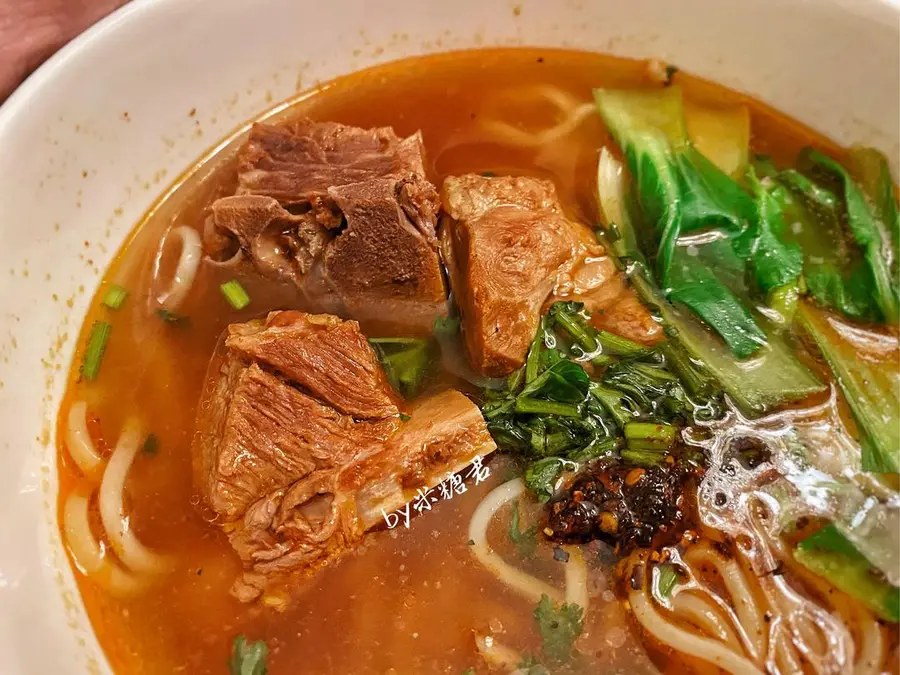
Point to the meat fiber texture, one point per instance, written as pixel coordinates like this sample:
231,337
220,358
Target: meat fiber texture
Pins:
344,213
300,447
510,251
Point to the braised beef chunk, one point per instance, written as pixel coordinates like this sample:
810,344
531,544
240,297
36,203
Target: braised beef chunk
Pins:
299,446
624,506
329,357
343,212
385,260
297,163
510,250
269,435
281,245
504,242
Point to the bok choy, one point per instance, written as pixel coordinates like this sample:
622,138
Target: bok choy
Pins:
772,377
681,193
830,555
870,383
865,219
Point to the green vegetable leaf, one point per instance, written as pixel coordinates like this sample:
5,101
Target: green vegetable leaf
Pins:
869,233
773,262
559,628
773,377
872,390
591,342
248,658
681,192
873,175
406,362
694,285
446,325
541,477
846,291
834,273
564,381
832,556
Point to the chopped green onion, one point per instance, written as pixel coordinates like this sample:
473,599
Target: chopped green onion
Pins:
96,346
235,294
115,296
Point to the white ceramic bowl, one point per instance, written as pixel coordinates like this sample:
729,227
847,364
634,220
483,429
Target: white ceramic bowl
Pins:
97,134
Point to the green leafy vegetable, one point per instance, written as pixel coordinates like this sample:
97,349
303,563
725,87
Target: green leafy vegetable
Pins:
541,477
681,192
446,325
644,435
872,391
847,291
525,540
115,296
775,263
235,294
873,175
406,362
721,133
96,347
591,342
695,379
834,273
536,406
869,232
248,658
559,628
643,456
816,195
830,555
773,377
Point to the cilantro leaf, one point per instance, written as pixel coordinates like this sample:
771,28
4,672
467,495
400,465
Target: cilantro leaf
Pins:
248,658
559,628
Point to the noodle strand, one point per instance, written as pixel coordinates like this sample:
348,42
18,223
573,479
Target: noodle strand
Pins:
125,543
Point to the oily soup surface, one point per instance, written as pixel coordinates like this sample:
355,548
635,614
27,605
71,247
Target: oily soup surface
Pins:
408,600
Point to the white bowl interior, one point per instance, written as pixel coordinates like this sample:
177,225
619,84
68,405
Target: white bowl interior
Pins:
98,133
